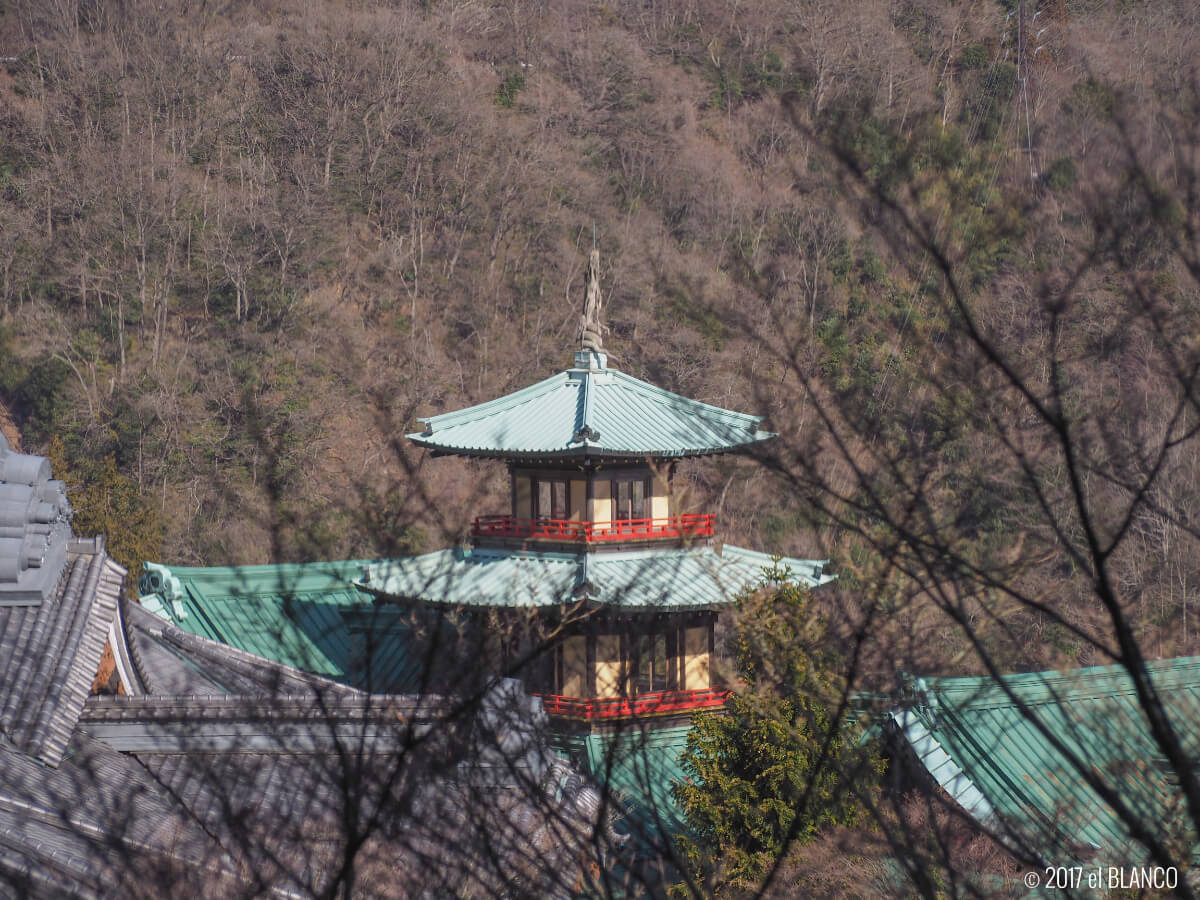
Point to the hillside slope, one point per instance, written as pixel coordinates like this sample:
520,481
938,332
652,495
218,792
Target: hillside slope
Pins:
245,247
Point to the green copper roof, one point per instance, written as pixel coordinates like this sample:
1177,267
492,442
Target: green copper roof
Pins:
639,765
309,616
672,579
316,617
997,765
590,410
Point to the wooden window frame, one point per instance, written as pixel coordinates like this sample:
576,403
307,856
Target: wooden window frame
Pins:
556,483
647,484
673,645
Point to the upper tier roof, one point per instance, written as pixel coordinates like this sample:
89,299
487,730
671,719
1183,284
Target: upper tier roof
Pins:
590,410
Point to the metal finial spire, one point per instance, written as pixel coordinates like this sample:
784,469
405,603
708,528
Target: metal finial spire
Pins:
591,329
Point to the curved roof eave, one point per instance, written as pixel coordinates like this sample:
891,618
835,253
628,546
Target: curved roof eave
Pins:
644,580
586,448
590,412
584,597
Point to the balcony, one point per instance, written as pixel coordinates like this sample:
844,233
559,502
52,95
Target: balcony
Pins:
692,525
657,704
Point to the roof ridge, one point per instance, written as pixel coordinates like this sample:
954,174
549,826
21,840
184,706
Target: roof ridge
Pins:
225,572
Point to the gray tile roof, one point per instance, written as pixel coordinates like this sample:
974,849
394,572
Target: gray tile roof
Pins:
89,826
195,789
49,653
166,660
227,774
433,799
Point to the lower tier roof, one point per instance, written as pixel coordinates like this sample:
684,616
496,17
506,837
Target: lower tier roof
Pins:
646,580
325,617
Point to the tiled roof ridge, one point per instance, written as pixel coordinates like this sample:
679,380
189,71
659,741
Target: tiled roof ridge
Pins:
56,653
34,529
139,671
241,573
280,706
942,766
33,628
74,673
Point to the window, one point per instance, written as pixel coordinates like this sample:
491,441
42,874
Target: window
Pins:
551,499
629,498
651,662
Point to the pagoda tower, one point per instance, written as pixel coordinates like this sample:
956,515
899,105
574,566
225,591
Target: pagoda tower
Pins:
593,544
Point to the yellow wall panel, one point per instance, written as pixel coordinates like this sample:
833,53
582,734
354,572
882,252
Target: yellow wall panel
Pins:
574,666
601,500
697,675
524,502
578,499
608,666
660,503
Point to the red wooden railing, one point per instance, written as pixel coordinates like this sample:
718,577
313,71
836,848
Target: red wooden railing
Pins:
642,705
688,525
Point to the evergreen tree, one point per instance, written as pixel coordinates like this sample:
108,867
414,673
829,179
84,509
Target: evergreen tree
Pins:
776,768
105,502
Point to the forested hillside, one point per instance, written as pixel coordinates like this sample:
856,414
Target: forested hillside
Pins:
244,245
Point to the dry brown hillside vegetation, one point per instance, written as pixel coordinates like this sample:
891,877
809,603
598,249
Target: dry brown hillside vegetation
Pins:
243,245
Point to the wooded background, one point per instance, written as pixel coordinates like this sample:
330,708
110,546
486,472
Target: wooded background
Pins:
244,244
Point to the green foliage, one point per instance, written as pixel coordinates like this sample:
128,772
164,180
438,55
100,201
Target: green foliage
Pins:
686,309
775,529
1060,175
512,85
1090,99
107,503
875,150
739,77
987,100
12,372
38,393
974,56
776,769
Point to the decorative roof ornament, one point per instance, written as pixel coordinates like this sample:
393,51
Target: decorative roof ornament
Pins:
590,411
591,329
